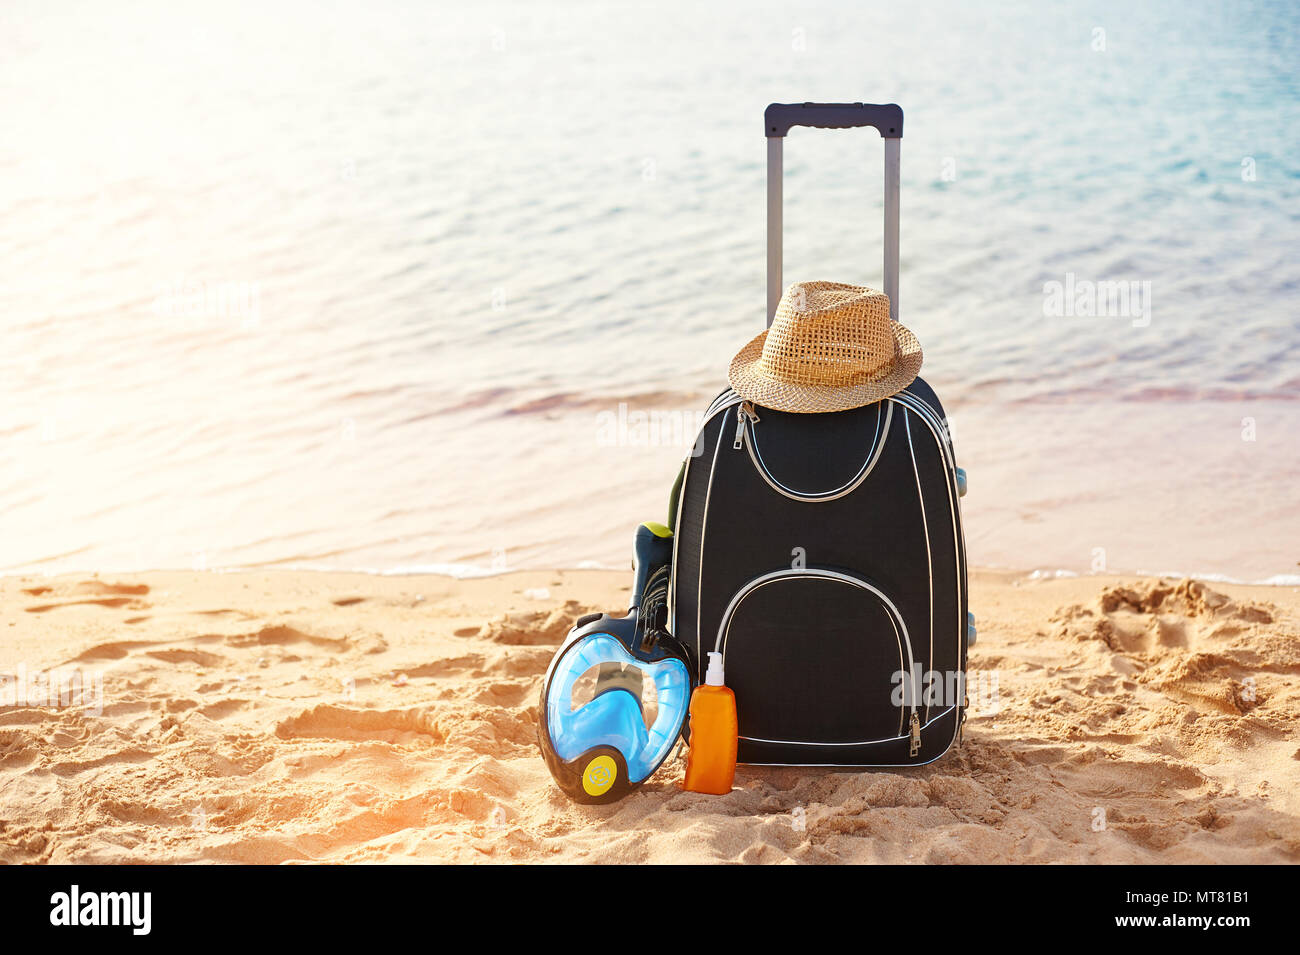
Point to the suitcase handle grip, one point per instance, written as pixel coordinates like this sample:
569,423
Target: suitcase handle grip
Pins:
887,118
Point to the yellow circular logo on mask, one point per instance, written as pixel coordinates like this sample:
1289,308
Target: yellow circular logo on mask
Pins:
599,775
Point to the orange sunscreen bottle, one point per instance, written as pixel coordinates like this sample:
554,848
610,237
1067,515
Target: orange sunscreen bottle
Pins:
711,765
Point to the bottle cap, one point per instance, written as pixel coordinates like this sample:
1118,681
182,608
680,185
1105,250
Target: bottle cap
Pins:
714,677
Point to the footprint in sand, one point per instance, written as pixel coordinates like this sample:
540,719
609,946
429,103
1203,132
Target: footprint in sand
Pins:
529,627
224,708
1155,618
281,635
330,721
120,649
186,656
112,603
1192,643
102,587
116,650
97,592
450,666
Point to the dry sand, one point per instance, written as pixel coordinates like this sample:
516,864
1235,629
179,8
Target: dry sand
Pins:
276,717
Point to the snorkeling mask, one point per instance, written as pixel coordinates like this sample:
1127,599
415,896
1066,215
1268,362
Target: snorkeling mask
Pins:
616,695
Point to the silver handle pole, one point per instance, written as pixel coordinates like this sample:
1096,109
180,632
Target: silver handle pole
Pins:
891,224
774,200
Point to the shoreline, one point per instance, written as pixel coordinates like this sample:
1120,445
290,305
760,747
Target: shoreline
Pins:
473,572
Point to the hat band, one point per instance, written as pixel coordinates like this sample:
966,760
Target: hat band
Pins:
823,371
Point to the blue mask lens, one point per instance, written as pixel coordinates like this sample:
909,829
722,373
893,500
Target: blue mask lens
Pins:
609,711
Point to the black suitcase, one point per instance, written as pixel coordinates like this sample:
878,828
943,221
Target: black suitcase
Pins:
823,553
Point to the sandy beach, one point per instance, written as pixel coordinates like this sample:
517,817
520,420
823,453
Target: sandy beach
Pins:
329,717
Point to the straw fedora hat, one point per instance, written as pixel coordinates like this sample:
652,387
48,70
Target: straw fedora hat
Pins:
831,347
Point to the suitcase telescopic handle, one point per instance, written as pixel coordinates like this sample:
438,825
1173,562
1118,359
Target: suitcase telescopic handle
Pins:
887,119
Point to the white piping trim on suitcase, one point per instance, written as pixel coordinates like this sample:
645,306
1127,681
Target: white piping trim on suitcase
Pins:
943,438
728,397
962,587
895,619
877,447
927,414
937,427
677,516
704,527
870,742
958,540
956,501
929,555
922,407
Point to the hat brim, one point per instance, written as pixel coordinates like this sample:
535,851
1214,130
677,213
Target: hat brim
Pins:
751,383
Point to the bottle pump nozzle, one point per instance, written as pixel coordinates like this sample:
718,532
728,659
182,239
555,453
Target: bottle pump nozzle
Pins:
714,675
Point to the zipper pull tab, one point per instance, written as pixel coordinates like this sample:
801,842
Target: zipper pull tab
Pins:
743,410
916,736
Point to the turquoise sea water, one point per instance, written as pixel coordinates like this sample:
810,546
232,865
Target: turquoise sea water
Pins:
364,285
